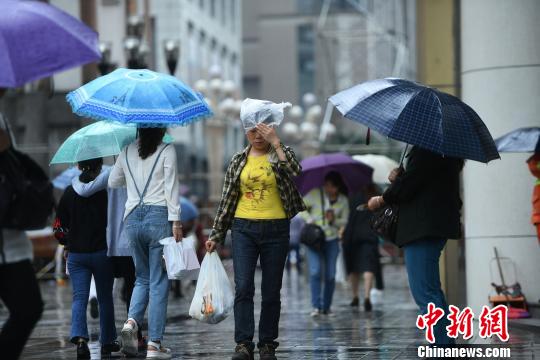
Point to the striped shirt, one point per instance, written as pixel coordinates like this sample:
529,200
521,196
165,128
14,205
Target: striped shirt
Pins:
284,172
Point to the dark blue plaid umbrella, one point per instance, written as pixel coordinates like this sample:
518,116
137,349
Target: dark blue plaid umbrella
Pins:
520,140
418,115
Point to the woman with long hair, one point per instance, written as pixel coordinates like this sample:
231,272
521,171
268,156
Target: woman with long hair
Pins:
81,227
259,199
328,207
148,168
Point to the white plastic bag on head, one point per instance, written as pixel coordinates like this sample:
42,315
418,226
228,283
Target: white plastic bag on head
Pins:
255,111
180,260
213,300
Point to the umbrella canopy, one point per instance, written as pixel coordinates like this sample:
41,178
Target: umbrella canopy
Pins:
38,40
520,140
314,169
142,97
97,140
382,166
418,115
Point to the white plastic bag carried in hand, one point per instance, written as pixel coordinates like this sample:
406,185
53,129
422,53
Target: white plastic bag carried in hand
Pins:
213,300
180,260
341,272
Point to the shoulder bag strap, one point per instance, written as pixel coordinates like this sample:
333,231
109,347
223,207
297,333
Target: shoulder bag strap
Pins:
141,195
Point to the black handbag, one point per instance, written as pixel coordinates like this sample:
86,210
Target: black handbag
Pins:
313,235
384,222
27,199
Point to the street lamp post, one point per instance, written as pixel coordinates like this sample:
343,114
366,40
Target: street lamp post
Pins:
105,66
134,46
306,133
222,98
172,54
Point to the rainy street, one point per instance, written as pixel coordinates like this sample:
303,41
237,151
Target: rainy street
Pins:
387,333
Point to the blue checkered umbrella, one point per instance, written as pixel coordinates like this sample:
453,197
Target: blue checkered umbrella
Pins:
418,115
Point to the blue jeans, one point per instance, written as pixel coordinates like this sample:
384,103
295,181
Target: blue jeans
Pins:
270,241
422,262
327,258
81,267
145,226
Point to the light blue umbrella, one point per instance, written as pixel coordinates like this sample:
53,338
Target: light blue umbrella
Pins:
143,97
97,140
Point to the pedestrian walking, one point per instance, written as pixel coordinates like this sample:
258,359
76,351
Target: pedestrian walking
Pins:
361,248
148,167
259,199
295,258
428,195
81,227
534,166
328,208
22,297
117,242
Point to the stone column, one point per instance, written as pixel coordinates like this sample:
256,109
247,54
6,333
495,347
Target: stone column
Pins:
501,81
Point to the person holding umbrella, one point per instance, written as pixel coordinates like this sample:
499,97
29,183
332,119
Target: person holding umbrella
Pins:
48,32
148,167
526,140
327,207
443,131
259,199
81,227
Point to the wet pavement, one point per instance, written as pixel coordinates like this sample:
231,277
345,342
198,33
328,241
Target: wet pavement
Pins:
386,333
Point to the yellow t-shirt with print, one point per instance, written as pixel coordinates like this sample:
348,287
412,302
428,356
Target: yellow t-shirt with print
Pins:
259,196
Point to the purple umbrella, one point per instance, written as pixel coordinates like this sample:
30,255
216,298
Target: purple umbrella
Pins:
38,40
354,173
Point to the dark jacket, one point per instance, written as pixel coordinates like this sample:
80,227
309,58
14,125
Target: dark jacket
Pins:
428,195
84,219
358,229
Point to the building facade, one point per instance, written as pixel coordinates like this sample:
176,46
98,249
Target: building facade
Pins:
324,47
208,34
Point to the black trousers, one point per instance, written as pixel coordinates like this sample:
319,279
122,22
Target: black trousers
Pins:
19,290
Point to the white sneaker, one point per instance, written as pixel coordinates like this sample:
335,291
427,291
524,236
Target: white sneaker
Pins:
130,343
160,352
376,296
315,313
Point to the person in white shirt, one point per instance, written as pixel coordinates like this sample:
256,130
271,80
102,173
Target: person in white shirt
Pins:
148,168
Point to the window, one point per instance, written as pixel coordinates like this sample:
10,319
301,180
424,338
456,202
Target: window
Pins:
306,59
233,14
315,6
213,8
223,12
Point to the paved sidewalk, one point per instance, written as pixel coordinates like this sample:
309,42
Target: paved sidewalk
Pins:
386,333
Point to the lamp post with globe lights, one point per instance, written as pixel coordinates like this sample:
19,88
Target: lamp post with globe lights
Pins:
304,126
222,97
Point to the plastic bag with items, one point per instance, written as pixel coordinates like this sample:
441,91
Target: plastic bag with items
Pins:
213,300
180,259
254,112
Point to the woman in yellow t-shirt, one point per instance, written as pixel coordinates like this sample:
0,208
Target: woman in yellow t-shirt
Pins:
259,199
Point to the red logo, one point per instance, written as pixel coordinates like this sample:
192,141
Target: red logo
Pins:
460,322
494,322
491,322
429,320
